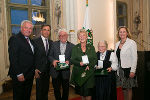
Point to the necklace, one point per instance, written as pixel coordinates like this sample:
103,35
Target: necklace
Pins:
83,46
122,42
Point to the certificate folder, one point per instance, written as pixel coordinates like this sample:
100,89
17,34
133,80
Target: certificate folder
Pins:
61,66
101,72
79,77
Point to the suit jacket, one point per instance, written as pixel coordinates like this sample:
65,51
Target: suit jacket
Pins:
41,58
54,55
21,57
128,54
76,58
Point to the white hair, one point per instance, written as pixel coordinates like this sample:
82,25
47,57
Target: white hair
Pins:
103,41
62,30
26,21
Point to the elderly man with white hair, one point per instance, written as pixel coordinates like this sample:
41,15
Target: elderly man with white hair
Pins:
21,57
59,56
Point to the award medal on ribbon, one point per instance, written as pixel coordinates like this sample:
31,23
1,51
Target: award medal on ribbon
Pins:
83,74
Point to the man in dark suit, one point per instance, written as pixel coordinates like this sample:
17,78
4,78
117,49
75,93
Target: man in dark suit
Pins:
21,56
42,48
60,77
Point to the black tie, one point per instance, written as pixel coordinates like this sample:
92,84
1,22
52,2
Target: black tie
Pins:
46,46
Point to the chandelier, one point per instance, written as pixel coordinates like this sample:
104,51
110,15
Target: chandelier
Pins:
38,17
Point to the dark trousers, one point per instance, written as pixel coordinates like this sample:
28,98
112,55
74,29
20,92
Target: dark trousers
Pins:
22,90
57,83
42,86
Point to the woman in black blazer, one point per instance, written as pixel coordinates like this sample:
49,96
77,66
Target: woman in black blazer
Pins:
105,74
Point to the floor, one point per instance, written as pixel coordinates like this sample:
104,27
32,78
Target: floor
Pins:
8,94
138,93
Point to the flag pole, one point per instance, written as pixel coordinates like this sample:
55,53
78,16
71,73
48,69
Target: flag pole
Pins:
86,2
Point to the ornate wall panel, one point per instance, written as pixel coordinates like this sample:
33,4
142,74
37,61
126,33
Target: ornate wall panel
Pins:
1,29
138,22
4,63
56,13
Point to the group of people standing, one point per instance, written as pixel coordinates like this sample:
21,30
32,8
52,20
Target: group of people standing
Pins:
94,75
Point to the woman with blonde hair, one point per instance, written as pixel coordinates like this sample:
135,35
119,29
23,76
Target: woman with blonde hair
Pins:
126,51
83,59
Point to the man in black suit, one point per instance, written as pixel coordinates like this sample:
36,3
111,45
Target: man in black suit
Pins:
42,47
60,77
21,56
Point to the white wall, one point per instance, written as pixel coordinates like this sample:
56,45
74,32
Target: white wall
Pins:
102,19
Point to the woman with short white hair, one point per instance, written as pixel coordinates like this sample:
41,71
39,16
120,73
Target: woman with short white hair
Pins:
105,73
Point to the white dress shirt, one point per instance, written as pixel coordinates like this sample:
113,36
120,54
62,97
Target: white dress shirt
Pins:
44,42
32,48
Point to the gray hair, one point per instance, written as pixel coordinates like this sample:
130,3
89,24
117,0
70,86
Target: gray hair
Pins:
103,41
26,21
62,30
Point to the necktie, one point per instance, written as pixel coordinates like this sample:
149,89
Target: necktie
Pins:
31,46
46,49
27,40
102,56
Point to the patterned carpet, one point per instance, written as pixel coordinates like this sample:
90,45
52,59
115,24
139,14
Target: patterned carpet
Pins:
77,98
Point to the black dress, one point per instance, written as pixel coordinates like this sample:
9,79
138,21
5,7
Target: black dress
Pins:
105,84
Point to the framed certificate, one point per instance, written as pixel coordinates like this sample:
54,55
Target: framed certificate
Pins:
81,77
62,58
100,64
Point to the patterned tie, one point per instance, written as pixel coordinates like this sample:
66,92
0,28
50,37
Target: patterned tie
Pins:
31,46
46,46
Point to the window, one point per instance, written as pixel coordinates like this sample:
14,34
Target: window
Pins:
19,10
121,14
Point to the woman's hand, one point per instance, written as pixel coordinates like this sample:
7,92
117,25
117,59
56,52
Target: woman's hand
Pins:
109,69
132,74
87,68
97,67
81,64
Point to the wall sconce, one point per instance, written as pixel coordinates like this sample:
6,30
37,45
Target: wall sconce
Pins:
137,22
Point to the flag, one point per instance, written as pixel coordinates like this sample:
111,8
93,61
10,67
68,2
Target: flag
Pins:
86,25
